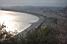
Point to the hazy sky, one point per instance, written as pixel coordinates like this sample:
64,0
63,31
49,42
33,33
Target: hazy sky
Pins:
34,2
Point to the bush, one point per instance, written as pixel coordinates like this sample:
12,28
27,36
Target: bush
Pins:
42,36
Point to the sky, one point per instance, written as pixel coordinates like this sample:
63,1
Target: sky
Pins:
33,2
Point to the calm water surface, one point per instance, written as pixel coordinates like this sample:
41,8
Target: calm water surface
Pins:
16,22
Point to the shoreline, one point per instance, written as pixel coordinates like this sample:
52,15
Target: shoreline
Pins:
33,25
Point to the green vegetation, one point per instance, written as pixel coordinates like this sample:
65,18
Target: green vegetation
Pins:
41,36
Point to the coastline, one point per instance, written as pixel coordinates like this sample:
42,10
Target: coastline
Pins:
34,24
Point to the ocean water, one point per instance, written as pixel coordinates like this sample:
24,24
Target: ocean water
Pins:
16,22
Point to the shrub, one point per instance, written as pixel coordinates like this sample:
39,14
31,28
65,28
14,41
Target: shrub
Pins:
42,36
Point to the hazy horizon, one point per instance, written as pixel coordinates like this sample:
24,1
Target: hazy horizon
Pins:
56,3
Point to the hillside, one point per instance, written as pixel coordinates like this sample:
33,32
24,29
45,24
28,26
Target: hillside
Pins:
55,19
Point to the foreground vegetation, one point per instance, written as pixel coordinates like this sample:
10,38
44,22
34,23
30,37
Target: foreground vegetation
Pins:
42,35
